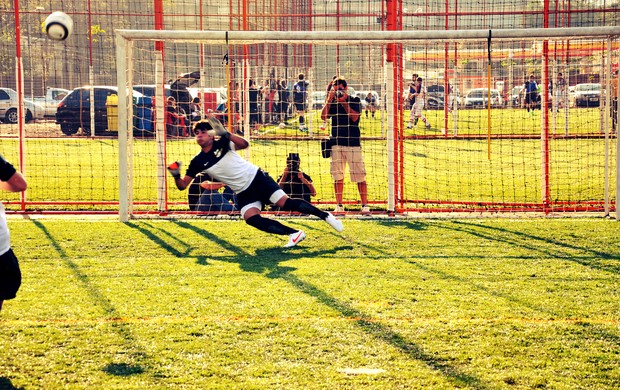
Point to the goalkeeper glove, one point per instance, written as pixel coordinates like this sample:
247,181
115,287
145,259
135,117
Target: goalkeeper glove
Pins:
175,169
218,128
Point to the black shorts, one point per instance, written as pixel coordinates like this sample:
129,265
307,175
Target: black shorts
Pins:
10,276
260,190
531,97
300,107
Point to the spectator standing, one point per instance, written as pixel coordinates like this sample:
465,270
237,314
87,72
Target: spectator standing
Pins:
284,100
558,91
531,94
253,96
344,111
300,98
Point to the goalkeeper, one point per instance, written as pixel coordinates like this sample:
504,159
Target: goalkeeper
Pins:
253,186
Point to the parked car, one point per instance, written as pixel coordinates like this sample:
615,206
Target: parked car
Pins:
435,90
479,97
317,99
587,95
73,111
571,96
50,101
9,104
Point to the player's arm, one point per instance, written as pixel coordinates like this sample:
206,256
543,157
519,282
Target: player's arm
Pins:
219,130
308,184
10,179
16,183
331,98
240,142
343,101
175,171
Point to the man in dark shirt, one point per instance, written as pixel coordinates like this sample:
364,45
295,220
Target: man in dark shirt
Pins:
344,110
294,182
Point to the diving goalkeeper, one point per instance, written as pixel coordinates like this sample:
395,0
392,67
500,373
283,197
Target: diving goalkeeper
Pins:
253,186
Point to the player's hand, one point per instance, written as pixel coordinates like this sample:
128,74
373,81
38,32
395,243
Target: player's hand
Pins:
218,128
175,169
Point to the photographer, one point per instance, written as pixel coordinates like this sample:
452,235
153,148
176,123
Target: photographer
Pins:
344,111
295,183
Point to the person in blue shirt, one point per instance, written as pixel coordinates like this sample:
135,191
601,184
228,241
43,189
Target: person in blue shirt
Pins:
531,94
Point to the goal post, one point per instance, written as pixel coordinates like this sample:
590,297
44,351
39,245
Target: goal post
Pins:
408,168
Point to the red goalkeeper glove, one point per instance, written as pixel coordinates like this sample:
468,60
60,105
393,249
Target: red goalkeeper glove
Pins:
175,169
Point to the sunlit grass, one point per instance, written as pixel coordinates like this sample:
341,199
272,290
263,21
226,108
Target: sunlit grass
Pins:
404,304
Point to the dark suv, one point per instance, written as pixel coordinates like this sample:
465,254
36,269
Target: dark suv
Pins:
73,111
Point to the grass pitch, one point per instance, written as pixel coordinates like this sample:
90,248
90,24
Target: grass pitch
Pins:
468,303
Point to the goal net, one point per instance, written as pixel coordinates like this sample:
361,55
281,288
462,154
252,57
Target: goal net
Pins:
503,120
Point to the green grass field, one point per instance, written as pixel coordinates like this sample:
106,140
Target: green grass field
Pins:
461,303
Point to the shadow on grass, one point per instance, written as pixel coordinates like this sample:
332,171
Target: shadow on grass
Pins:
122,369
266,261
6,384
98,298
549,247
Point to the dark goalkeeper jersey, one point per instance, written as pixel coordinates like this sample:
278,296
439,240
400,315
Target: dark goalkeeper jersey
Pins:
223,164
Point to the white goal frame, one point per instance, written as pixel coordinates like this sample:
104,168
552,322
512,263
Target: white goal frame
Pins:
124,50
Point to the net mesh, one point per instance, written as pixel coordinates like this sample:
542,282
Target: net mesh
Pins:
451,166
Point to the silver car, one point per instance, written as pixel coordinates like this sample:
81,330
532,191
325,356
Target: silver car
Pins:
9,104
587,95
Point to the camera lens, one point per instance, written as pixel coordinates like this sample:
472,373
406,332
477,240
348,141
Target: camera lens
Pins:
339,93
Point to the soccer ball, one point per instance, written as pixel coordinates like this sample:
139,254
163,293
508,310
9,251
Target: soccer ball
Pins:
282,125
58,26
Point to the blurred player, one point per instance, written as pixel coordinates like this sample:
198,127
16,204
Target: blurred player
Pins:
417,93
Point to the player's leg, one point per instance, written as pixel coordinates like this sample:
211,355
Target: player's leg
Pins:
280,199
357,173
336,168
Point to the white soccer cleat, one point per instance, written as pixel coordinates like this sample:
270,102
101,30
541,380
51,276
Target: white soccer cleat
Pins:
365,210
339,209
428,125
334,222
295,238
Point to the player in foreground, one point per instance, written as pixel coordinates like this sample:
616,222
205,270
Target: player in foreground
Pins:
253,186
10,274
